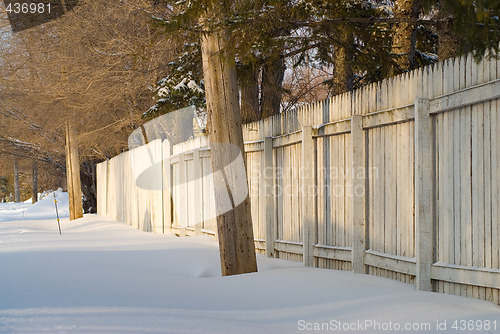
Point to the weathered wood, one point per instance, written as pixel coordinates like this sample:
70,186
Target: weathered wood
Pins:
474,276
477,185
335,128
389,116
269,212
307,193
358,194
288,139
496,183
423,195
487,229
73,174
333,253
289,247
237,249
469,96
340,193
394,263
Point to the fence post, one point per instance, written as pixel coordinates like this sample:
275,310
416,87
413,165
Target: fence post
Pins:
167,186
267,177
307,177
423,195
198,194
358,194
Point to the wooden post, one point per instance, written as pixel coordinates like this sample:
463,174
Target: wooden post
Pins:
236,240
267,178
34,183
197,204
358,194
17,194
423,195
307,179
73,175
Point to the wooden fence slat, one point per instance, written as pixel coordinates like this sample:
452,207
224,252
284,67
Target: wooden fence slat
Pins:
268,211
411,189
307,195
401,227
477,185
341,191
423,194
496,184
487,258
358,198
333,198
371,189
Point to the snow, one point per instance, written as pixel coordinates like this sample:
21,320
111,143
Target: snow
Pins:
194,86
184,84
44,208
102,276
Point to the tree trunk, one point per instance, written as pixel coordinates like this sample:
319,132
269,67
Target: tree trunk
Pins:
73,175
271,87
17,194
405,36
448,42
88,180
342,59
34,183
250,111
234,226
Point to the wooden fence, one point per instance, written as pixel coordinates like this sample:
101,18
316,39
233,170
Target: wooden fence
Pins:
399,179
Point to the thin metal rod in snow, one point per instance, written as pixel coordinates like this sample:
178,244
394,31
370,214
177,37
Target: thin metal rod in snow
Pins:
57,213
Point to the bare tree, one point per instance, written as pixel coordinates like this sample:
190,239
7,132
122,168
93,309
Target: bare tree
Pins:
94,67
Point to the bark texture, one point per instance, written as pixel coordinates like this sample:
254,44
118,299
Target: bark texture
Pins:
73,175
250,109
343,58
235,231
448,42
272,90
405,36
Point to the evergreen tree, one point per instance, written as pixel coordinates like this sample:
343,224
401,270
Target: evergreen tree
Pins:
362,40
183,86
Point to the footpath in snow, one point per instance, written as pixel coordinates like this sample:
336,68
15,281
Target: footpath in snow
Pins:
101,276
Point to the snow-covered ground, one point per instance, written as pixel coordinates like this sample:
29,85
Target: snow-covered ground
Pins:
45,208
101,276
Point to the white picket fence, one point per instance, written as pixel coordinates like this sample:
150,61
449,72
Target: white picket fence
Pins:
405,179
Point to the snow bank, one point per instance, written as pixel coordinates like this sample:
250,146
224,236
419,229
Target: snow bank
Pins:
101,276
43,209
